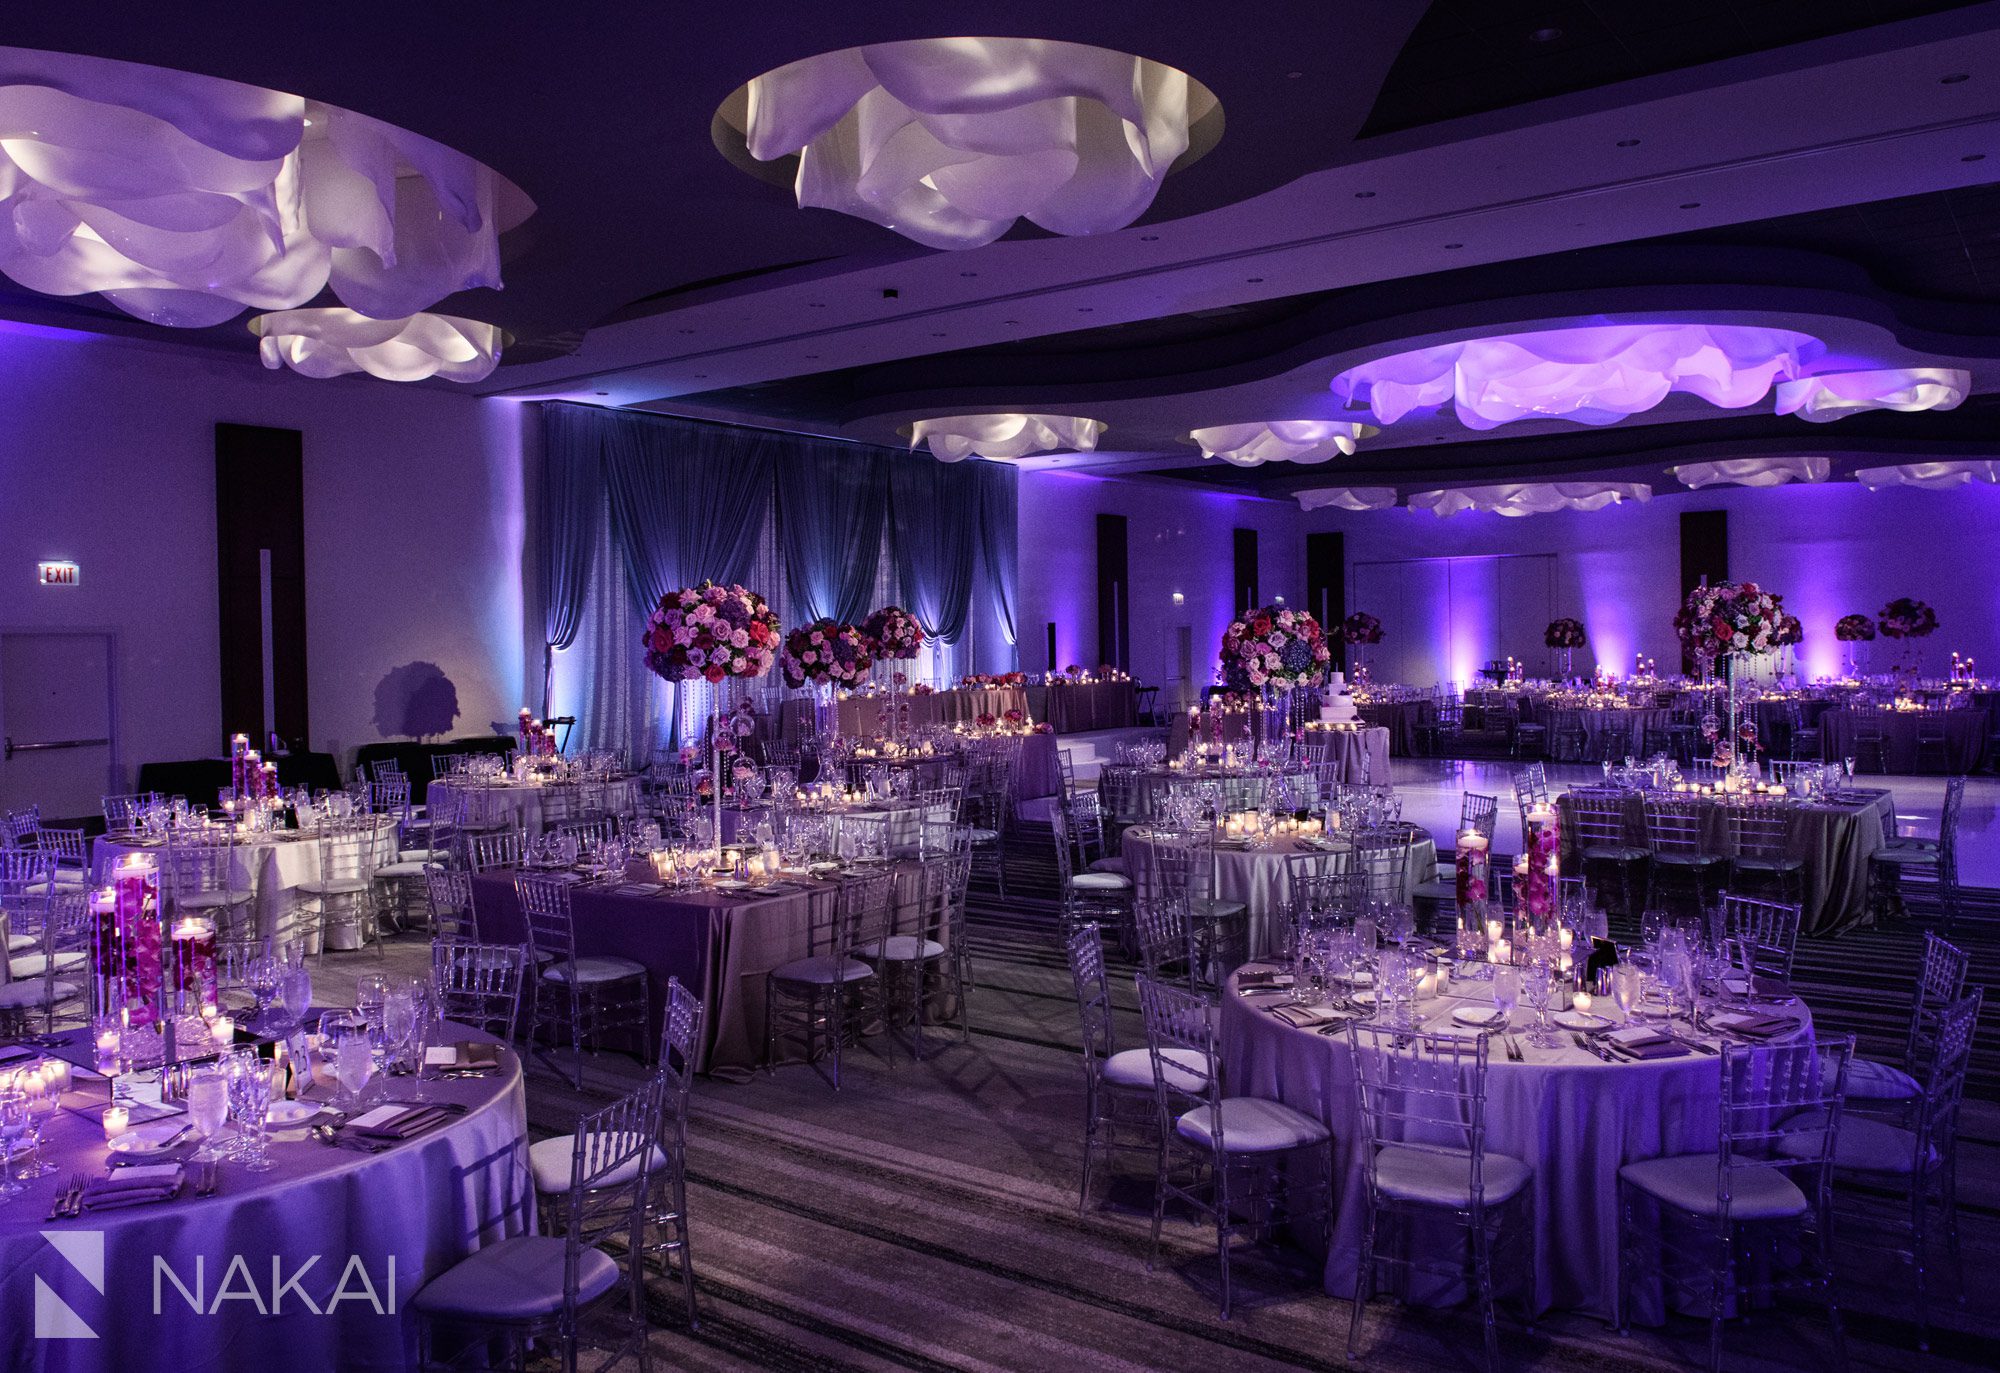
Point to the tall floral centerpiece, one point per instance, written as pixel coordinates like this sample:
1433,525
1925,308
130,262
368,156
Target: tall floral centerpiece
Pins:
1903,619
712,633
1789,636
827,654
1274,649
1854,629
1722,622
1565,635
893,634
1359,630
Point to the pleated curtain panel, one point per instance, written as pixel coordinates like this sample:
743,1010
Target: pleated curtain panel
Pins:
682,501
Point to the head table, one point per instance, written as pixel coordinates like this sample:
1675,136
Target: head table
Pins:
1570,1116
396,1207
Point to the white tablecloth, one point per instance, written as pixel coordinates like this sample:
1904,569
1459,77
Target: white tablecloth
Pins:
1571,1117
533,808
396,1206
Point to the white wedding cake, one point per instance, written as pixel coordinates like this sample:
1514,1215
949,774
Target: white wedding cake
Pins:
1338,707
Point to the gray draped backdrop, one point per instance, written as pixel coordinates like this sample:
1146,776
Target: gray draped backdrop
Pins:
675,502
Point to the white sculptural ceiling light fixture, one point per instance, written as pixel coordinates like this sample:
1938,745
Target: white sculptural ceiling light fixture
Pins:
334,342
1530,498
955,437
1752,472
1305,441
1598,374
950,141
182,199
1348,498
1930,476
1833,395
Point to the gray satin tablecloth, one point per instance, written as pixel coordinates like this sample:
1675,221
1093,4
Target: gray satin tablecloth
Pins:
1078,707
1401,719
1256,877
330,1202
1964,739
1834,841
863,715
1571,1117
1240,790
1624,729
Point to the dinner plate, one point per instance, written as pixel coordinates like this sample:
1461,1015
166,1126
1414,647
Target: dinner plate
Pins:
1363,997
1580,1020
287,1113
1479,1017
1361,978
730,884
155,1137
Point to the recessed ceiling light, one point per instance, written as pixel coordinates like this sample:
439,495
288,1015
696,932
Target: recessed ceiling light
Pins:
1452,247
1973,157
601,393
1253,280
1547,34
815,305
687,331
1086,309
1293,76
968,274
1628,142
812,357
1010,321
1692,205
1364,195
937,333
701,376
1149,238
1954,78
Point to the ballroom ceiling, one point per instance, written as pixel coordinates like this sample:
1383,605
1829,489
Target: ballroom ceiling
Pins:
1390,174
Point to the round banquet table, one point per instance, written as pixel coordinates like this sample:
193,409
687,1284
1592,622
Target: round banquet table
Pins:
1360,757
1256,876
1621,730
1242,788
399,1207
1964,738
269,865
1571,1117
1401,719
532,806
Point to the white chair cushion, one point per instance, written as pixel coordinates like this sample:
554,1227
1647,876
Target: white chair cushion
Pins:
1134,1068
823,970
423,856
340,886
516,1279
1863,1145
977,835
1251,1125
1446,1179
1116,865
65,882
902,948
1868,1080
34,964
399,869
21,943
1687,1183
550,1161
1217,909
595,970
1101,881
214,900
19,995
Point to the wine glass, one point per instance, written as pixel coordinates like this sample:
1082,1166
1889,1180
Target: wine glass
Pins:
353,1051
295,993
1541,990
399,1022
208,1108
1627,987
41,1106
13,1125
1506,993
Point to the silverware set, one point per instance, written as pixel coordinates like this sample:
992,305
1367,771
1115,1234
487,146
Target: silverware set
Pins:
69,1202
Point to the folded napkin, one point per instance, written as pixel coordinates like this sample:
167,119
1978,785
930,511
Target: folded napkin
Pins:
1772,987
1263,977
134,1186
465,1054
1758,1024
1303,1017
398,1122
638,889
11,1052
1643,1041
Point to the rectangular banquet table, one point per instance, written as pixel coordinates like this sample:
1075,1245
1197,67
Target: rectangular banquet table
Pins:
1964,739
719,946
1834,840
864,714
1078,707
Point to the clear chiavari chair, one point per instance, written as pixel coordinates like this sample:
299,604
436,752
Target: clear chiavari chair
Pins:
915,945
1761,856
812,995
1767,932
988,806
340,896
505,849
1242,1164
479,985
1421,1102
51,981
1876,1087
1085,812
1163,934
1890,867
21,829
587,996
534,1291
1595,817
206,875
1105,897
448,898
1119,1115
1765,1180
122,813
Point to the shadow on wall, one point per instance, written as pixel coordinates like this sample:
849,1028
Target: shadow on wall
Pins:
416,700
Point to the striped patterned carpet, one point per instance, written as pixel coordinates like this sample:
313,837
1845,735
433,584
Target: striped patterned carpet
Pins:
925,1217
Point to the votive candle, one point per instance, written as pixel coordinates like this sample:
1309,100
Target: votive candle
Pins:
117,1120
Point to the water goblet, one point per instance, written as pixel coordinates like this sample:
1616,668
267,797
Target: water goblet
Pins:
1506,993
252,1080
353,1051
1541,983
41,1107
208,1108
13,1125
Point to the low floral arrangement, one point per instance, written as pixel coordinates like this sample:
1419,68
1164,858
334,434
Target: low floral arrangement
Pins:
1275,646
1043,727
1361,628
922,689
993,679
893,633
1790,632
984,721
825,651
711,632
1107,673
1074,672
1854,629
1014,717
1565,633
1729,617
1908,618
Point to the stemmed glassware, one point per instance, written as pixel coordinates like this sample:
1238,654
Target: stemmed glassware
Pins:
13,1125
208,1108
1541,982
41,1106
250,1096
1506,993
348,1038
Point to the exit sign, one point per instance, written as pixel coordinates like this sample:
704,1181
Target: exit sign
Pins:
58,574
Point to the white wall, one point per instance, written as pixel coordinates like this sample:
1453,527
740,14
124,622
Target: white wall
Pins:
1179,539
414,529
1830,549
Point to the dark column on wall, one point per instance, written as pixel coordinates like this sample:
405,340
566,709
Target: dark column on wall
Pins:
1326,588
1052,646
1114,588
260,541
1704,554
1246,571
